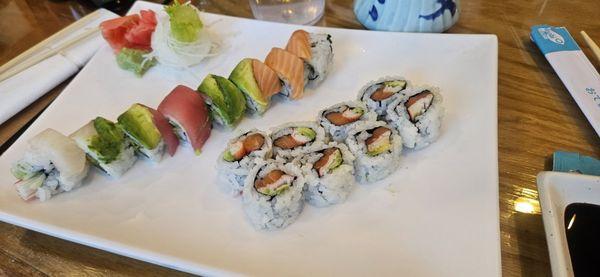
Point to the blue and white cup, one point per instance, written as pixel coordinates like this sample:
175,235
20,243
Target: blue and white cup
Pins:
426,16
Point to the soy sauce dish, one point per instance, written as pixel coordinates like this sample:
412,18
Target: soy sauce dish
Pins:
571,214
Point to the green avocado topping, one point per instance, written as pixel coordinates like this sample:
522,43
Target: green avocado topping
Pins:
134,60
138,123
108,142
227,103
185,22
243,77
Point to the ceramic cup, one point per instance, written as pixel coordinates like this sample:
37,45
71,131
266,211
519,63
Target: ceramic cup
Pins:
427,16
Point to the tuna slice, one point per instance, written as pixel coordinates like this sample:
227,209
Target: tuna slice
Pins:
288,67
165,130
299,45
266,78
187,107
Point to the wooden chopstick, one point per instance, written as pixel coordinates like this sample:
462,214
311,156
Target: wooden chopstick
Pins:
592,45
44,43
38,58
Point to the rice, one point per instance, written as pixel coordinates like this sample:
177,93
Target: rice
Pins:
333,187
380,107
273,212
427,127
370,169
339,133
231,175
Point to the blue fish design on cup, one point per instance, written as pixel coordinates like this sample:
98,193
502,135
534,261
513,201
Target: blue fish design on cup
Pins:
407,15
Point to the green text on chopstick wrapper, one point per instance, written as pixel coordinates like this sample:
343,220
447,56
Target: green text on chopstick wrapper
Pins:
135,60
185,22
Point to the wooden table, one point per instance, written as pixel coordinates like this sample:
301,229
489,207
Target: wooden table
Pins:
536,117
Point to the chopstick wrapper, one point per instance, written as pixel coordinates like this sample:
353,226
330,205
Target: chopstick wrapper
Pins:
574,162
22,89
573,68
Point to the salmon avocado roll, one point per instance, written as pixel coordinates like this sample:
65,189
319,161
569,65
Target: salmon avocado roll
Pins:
258,82
240,156
377,148
290,69
273,194
293,139
417,116
316,50
340,118
377,95
329,174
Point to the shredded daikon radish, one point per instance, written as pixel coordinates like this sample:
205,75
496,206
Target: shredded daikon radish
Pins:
171,52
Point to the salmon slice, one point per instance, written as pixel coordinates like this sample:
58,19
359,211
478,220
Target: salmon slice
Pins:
270,178
289,67
299,45
285,142
253,142
323,160
267,80
380,94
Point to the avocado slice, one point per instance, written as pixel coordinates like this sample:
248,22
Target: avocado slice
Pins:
243,77
397,83
138,122
380,146
227,103
306,132
108,141
234,96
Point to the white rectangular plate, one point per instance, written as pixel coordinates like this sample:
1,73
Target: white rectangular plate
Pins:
436,216
557,190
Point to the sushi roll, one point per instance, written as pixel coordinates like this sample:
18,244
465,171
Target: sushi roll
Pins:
272,197
290,69
227,103
240,157
294,139
258,82
340,118
52,164
329,174
149,131
187,113
106,145
377,148
377,95
417,116
315,50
